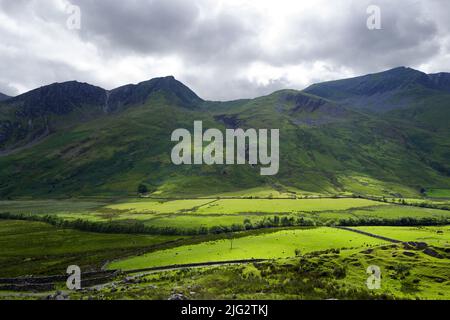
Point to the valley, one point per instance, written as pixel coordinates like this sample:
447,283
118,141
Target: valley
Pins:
189,238
87,179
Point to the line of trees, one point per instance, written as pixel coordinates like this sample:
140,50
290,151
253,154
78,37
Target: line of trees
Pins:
404,221
405,202
100,227
268,222
140,228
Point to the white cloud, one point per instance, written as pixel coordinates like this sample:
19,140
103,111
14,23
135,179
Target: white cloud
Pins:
222,49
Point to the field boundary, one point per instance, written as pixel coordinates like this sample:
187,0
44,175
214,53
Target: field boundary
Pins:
88,279
370,234
48,283
193,265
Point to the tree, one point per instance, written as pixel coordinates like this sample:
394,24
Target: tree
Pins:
230,236
142,188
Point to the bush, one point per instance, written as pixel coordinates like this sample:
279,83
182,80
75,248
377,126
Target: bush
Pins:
142,189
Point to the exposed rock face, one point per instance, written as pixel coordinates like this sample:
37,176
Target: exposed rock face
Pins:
230,121
34,115
312,111
58,99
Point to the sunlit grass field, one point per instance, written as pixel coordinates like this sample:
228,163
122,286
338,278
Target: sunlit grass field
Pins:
280,244
319,276
193,214
37,248
236,206
398,211
432,235
153,206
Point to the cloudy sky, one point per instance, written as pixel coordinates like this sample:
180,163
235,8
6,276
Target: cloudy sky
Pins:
222,49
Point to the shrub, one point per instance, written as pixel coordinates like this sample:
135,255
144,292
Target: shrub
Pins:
142,189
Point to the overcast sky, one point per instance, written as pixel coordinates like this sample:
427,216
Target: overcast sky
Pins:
222,50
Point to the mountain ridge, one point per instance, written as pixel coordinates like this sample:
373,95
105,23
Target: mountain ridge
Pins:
112,141
383,91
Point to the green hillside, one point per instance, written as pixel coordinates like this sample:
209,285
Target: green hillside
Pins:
59,141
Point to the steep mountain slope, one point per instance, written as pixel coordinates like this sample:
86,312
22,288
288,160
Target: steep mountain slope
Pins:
130,95
34,115
3,97
111,141
384,91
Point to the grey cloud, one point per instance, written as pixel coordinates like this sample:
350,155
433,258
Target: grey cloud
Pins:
217,45
140,26
163,27
408,37
223,87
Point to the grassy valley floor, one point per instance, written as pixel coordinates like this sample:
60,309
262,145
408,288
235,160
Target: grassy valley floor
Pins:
300,252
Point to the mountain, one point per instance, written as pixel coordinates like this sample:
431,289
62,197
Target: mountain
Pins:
74,139
3,97
138,94
57,99
34,115
384,91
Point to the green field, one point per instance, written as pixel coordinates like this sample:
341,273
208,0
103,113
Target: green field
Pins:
432,235
193,222
77,196
398,211
236,206
48,206
311,276
34,248
152,206
280,244
438,193
297,266
192,215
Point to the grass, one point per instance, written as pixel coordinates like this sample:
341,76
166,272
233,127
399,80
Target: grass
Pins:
396,211
197,221
371,186
144,206
280,244
48,206
312,276
38,248
432,235
438,193
414,275
235,206
265,192
193,214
